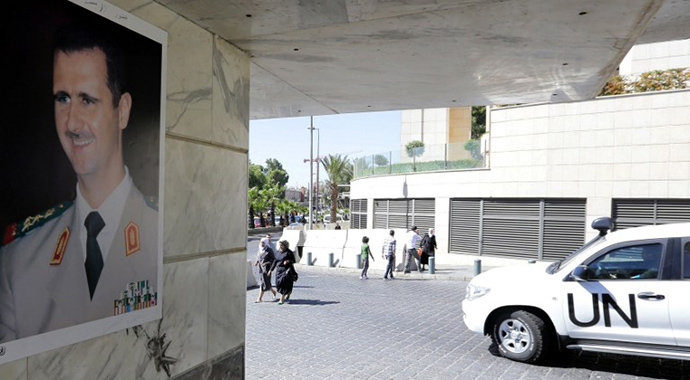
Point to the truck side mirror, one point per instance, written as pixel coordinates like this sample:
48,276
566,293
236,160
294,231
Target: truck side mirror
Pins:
581,273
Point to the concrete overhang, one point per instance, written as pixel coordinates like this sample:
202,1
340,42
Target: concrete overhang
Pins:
318,57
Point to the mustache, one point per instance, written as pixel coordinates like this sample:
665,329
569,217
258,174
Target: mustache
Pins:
77,135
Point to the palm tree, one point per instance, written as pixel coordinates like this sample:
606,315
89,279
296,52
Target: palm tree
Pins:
339,170
257,204
274,194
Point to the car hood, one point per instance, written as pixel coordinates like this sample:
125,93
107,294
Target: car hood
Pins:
514,274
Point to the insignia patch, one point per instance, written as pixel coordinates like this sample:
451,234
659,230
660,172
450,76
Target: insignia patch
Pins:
18,230
60,248
132,238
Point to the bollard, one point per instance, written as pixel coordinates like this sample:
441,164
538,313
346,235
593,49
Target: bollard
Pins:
432,265
359,261
309,262
330,260
477,267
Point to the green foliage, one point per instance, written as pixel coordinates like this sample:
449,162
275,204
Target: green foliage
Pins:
275,173
478,121
380,160
256,176
657,80
473,147
414,148
340,171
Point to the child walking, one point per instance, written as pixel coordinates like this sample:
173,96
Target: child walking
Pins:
366,253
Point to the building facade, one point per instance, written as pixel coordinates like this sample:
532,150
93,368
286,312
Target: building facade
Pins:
554,168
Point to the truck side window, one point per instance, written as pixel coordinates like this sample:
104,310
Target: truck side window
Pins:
686,260
632,262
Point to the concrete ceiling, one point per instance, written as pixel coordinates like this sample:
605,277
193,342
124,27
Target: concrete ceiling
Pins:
318,57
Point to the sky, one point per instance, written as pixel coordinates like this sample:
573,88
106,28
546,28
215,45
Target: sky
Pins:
287,140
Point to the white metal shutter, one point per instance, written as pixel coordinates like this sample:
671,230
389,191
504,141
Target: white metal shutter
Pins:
423,214
511,228
380,213
564,227
465,222
358,212
628,213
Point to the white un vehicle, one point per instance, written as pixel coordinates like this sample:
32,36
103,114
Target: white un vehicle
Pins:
625,292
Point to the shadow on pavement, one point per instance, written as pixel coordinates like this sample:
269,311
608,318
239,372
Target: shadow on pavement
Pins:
311,302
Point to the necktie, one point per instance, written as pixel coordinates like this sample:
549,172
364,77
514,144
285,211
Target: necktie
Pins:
94,260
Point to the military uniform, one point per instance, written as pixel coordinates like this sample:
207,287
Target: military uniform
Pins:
43,282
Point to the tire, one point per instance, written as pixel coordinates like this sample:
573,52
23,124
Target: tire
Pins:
521,336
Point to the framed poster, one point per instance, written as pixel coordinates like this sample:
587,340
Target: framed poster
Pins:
81,155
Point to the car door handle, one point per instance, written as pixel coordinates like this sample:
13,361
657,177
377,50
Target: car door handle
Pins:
650,296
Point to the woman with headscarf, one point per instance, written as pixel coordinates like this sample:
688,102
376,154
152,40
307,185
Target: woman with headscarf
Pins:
264,260
429,245
284,267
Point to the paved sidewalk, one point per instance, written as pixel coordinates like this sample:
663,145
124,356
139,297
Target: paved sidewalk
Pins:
337,326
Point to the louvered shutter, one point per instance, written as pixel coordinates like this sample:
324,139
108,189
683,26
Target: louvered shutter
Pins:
564,228
511,228
629,213
464,226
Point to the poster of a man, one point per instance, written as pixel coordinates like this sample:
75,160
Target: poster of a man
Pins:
81,260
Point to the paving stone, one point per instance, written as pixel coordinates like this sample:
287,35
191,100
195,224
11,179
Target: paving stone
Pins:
339,327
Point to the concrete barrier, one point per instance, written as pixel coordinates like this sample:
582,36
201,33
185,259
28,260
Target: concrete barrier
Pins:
296,238
322,242
251,275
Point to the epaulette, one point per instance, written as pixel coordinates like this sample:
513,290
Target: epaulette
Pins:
17,230
151,201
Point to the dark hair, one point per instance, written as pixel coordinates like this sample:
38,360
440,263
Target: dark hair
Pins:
78,37
392,232
365,239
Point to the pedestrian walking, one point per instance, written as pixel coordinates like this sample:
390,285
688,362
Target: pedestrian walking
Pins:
264,261
388,253
412,240
285,271
366,253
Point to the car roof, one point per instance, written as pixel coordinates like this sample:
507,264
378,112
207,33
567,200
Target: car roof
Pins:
650,232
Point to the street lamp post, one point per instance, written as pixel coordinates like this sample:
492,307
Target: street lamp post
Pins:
311,172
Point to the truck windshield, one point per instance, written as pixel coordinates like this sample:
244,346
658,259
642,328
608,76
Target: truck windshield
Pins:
555,266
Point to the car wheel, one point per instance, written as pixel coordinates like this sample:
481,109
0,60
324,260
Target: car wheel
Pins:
521,336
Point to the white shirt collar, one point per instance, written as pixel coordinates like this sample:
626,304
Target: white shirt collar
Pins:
111,212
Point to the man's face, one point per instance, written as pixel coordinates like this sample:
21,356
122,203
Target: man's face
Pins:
88,125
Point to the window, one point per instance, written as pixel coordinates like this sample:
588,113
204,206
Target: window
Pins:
638,262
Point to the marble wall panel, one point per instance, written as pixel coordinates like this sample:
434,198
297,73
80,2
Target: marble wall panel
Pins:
227,302
15,370
230,96
123,355
205,198
190,70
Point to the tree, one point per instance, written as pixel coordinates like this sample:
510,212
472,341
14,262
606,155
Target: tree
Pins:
274,194
380,160
257,178
257,204
414,148
478,121
339,170
275,172
473,146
